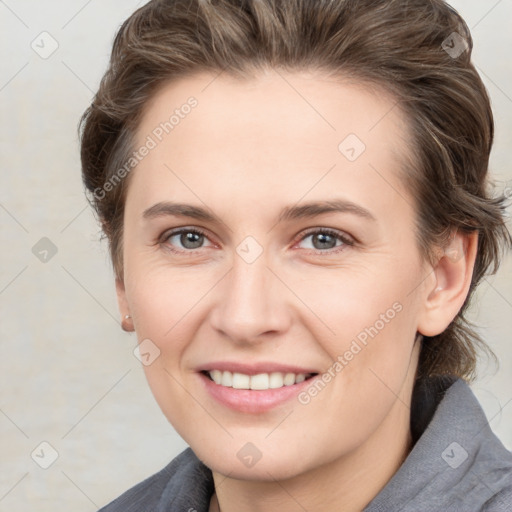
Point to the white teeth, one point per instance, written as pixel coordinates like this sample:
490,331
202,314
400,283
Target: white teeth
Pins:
275,380
227,379
216,375
289,379
241,381
260,381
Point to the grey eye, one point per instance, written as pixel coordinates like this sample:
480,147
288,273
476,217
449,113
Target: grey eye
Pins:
189,239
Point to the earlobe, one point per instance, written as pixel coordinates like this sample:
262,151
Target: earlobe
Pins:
452,278
126,322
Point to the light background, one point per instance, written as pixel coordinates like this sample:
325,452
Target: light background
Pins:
68,374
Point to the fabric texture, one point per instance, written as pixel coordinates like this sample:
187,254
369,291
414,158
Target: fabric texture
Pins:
457,464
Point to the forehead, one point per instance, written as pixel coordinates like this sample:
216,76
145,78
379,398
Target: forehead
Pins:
296,101
279,129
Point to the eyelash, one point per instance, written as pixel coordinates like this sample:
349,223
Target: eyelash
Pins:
346,241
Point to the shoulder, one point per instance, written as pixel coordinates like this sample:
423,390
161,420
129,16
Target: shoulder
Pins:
184,481
457,463
478,467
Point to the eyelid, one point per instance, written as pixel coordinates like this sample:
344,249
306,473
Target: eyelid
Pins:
346,239
164,237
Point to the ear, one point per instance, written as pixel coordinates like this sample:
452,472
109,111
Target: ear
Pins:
450,284
126,323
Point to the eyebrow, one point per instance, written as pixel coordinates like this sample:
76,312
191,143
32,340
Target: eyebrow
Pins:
307,210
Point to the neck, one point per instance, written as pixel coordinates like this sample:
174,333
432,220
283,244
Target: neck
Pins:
347,484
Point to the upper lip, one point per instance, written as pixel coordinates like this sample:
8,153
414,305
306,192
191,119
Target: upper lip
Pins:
254,368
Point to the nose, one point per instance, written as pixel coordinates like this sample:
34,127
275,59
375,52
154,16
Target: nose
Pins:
251,303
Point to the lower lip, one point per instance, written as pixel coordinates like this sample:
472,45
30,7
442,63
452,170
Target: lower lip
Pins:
252,401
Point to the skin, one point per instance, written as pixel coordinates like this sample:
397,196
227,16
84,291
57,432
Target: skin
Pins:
246,151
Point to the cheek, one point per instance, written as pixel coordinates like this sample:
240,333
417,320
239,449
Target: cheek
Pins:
343,302
367,375
166,312
365,317
161,298
335,305
367,327
162,305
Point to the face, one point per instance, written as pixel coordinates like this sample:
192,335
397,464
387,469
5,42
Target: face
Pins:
293,251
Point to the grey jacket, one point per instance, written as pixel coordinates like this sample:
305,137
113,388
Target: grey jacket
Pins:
457,464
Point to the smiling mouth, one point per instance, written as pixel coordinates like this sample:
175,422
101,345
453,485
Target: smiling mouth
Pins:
258,382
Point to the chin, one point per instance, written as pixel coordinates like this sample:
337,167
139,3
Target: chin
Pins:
237,462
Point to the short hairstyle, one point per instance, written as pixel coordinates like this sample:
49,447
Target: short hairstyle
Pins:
418,50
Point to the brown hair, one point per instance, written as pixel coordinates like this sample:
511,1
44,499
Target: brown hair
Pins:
419,50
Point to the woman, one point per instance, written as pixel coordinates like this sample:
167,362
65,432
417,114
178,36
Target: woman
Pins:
295,194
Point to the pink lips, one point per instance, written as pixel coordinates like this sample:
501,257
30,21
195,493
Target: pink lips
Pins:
248,400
